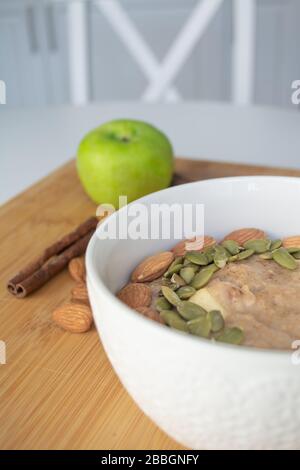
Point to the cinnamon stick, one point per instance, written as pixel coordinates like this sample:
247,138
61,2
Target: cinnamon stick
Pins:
53,260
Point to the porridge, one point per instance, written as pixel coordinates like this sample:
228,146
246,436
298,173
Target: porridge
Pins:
244,289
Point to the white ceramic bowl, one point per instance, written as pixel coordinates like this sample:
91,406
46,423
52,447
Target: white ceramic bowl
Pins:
204,395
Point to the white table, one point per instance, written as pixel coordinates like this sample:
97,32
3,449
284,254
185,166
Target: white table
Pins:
33,142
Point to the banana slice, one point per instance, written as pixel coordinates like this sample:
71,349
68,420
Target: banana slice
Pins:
206,300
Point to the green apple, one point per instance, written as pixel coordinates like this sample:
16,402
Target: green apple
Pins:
124,158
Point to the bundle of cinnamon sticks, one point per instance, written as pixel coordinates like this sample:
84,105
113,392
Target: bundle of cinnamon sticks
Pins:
53,260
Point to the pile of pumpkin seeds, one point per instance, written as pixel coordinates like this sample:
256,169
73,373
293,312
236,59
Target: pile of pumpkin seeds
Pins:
193,271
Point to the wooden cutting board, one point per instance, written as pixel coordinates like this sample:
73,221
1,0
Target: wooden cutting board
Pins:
58,390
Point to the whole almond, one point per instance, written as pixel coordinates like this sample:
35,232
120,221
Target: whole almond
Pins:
77,269
79,292
135,295
243,235
150,313
73,317
291,242
193,244
153,267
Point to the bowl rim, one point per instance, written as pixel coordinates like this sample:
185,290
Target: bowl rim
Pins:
99,285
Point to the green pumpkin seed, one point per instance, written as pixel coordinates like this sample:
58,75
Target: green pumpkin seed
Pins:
174,320
233,258
292,249
167,282
284,259
258,246
244,254
197,258
175,279
209,253
195,267
185,292
170,295
162,304
275,244
173,270
266,255
296,255
221,250
200,326
177,260
232,246
204,276
187,274
217,320
231,336
189,310
220,260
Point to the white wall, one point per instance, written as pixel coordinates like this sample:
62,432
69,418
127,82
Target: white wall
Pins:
34,51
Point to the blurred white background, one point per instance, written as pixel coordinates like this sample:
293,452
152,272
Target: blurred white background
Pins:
210,73
71,51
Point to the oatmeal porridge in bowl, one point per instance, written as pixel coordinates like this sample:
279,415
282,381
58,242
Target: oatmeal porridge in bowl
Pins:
202,332
246,279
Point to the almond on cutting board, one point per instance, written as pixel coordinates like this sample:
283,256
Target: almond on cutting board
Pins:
79,292
152,267
77,269
291,242
135,295
193,244
150,313
243,235
73,317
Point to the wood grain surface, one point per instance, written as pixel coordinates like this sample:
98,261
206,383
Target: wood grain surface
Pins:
58,390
